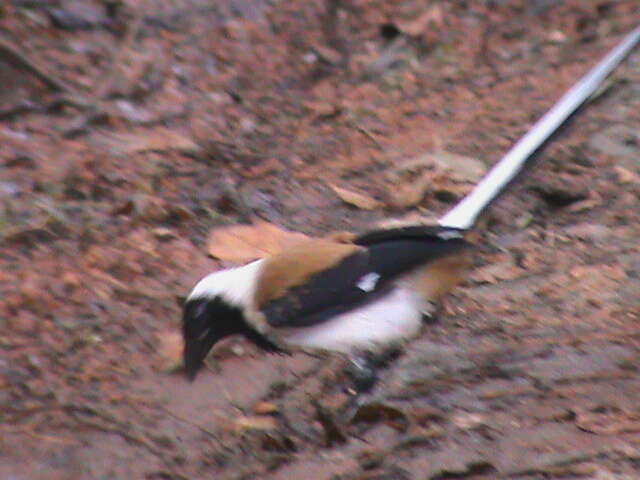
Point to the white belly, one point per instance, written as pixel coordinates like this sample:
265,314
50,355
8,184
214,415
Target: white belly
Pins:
388,320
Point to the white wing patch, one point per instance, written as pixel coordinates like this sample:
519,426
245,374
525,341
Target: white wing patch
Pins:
367,283
449,234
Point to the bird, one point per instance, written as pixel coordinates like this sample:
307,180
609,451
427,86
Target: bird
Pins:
355,294
352,294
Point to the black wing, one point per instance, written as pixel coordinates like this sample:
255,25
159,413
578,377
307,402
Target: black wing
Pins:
362,276
409,232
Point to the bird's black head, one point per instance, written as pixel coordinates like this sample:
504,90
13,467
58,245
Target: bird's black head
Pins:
205,321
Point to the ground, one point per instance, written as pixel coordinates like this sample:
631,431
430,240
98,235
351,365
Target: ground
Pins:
131,130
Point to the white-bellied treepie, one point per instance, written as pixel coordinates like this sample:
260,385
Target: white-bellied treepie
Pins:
370,291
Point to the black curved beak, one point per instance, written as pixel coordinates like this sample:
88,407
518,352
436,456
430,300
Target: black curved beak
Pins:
205,321
199,334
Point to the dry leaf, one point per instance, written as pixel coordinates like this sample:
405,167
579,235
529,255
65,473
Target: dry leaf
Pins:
469,421
589,231
461,168
593,201
418,26
434,171
244,243
322,108
626,176
608,422
356,199
379,411
265,408
579,272
159,139
329,54
163,233
411,218
169,351
556,36
260,423
411,193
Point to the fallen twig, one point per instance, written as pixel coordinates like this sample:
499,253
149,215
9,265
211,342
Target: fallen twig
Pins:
30,431
129,436
15,110
365,131
189,422
23,63
110,424
19,232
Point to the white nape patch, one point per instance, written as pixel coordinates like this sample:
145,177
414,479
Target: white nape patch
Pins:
392,318
236,285
368,282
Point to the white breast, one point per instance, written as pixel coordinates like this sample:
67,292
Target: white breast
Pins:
390,319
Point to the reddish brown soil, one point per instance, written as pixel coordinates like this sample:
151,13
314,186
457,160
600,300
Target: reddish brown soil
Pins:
145,129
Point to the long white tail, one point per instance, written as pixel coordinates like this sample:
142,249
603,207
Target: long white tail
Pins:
465,213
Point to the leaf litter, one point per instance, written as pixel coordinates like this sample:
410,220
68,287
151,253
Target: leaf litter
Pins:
411,180
244,243
88,300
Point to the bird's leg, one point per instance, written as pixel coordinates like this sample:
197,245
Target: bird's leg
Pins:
363,367
362,370
363,376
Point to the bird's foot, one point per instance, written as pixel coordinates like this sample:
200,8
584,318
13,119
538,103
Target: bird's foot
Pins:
362,371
